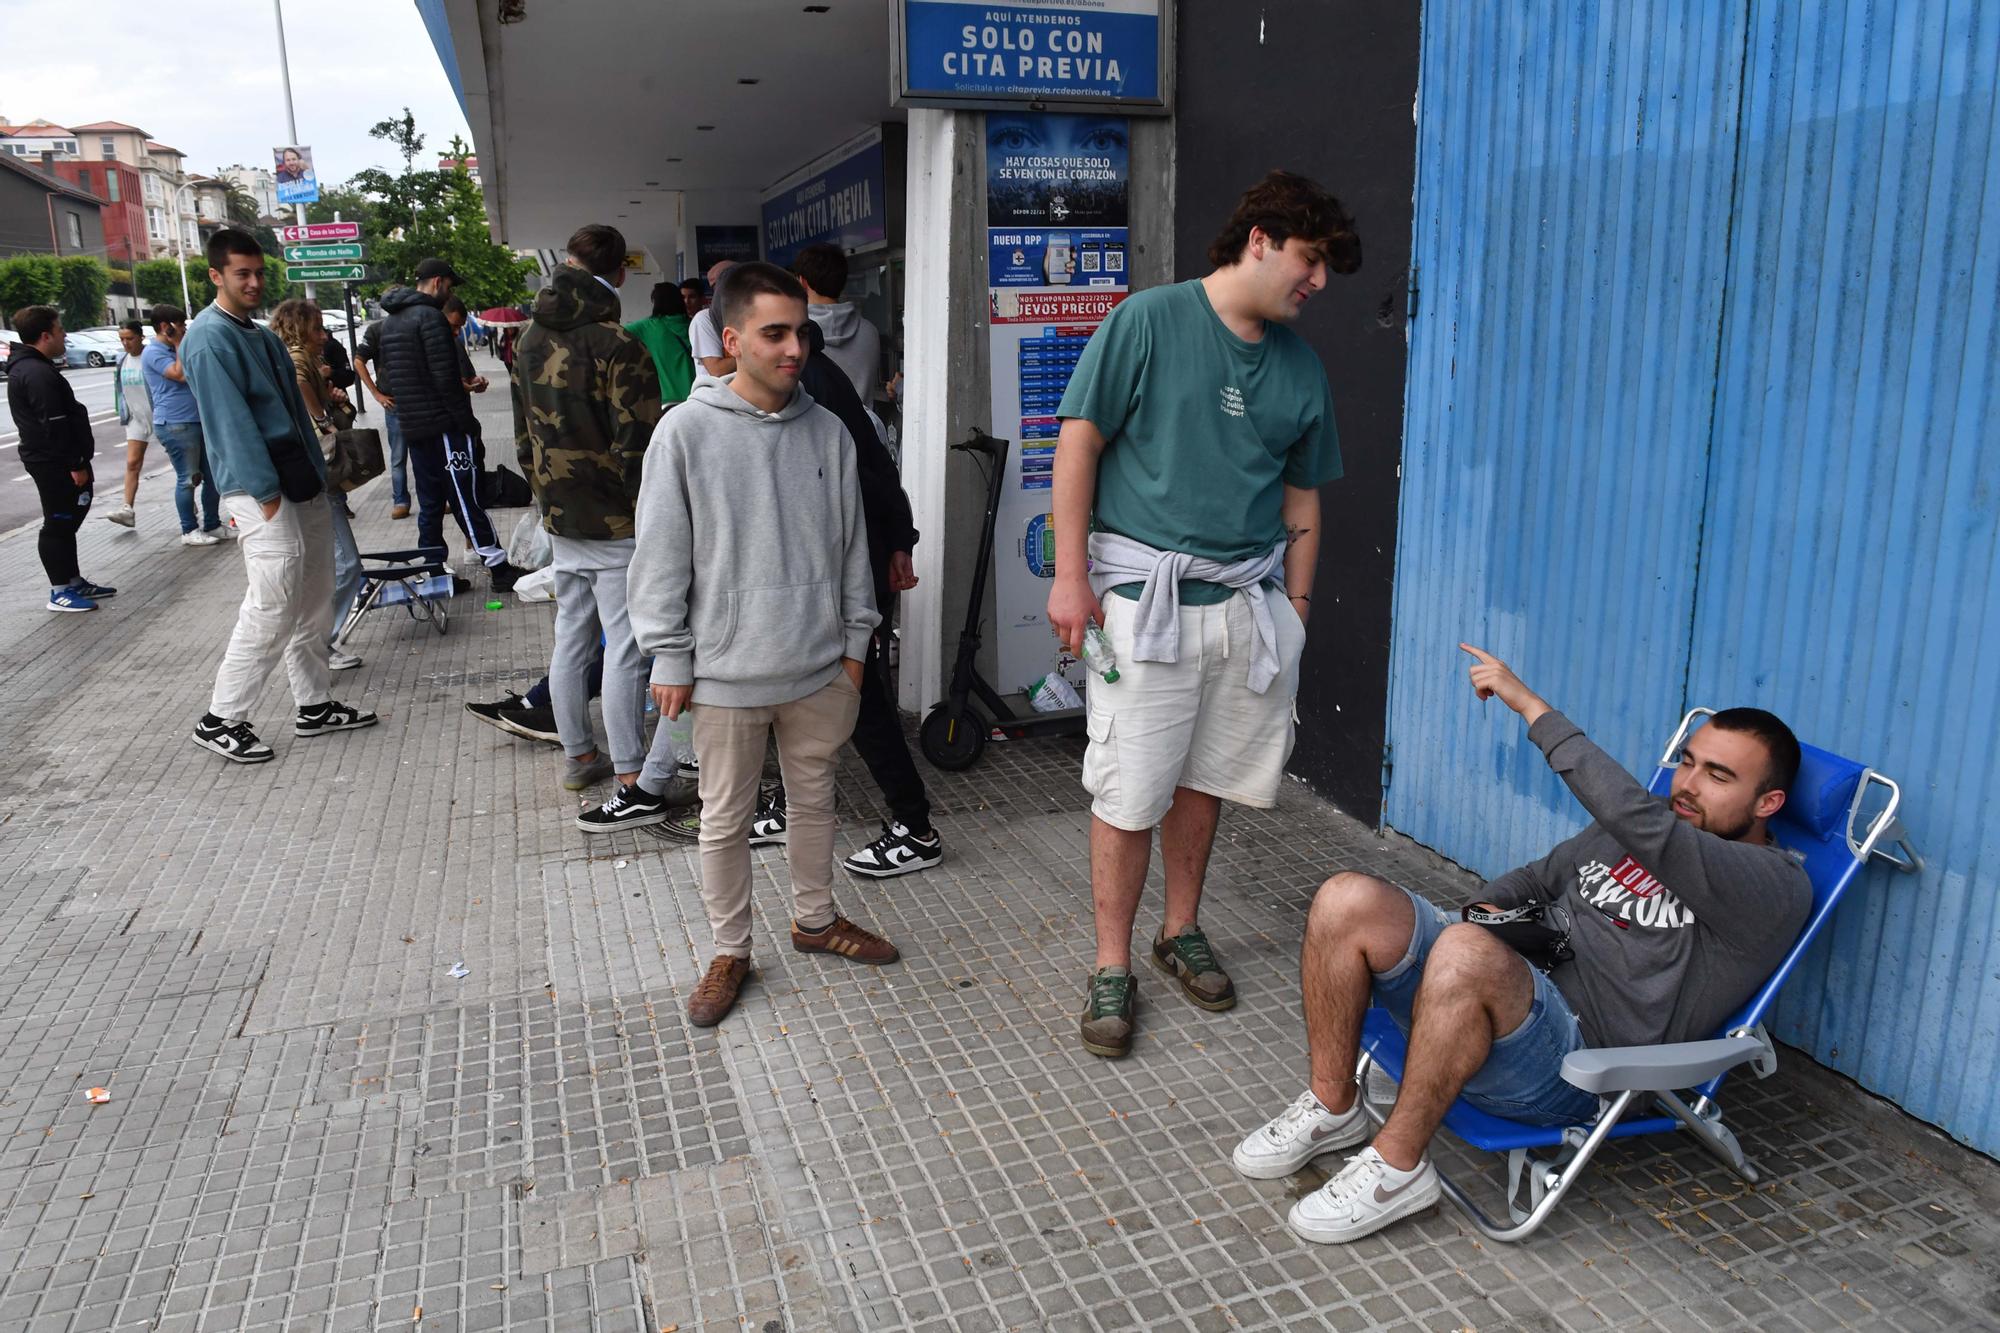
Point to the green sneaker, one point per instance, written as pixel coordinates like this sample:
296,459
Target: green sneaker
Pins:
1188,959
1108,1011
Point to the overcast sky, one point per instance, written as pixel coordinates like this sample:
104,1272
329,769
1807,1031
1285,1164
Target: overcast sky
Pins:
202,75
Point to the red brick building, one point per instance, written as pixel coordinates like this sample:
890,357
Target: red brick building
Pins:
119,186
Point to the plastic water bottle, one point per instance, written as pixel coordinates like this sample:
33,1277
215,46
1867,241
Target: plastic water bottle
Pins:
1097,653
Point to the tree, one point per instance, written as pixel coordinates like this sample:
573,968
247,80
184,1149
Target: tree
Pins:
85,281
29,280
159,282
418,213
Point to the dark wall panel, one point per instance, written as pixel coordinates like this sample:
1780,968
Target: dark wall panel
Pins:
1327,90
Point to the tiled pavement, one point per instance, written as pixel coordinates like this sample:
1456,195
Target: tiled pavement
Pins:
312,1125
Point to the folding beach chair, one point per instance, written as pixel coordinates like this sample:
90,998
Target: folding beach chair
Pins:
417,580
1826,822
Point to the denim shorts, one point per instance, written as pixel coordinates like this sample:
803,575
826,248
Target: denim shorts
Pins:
1522,1077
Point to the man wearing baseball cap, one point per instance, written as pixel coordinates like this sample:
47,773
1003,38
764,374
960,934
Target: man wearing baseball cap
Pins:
417,364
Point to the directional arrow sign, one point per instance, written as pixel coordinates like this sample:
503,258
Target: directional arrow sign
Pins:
320,254
327,272
322,231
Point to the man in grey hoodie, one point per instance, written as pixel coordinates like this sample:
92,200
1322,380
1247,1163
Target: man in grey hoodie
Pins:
1672,911
852,343
750,587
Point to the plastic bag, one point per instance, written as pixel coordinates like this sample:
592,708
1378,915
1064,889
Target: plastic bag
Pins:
539,586
1052,694
529,547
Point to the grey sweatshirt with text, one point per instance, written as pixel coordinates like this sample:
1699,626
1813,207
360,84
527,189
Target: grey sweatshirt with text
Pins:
749,576
1673,927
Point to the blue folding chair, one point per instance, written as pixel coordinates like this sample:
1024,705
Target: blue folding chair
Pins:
1827,823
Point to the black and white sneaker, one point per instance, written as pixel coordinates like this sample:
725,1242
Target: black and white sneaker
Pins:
490,713
897,852
768,828
331,716
234,741
632,807
530,724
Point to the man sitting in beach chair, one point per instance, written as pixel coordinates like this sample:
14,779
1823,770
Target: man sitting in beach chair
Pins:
1656,923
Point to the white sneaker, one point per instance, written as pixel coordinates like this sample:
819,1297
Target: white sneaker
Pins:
122,516
1366,1196
1301,1132
339,661
200,538
227,532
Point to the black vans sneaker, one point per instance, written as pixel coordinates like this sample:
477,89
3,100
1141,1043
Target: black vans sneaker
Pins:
234,741
897,852
331,716
632,807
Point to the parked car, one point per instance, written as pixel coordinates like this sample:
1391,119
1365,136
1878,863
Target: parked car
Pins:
8,339
92,347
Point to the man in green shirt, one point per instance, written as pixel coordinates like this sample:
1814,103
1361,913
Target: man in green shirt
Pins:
665,334
1196,434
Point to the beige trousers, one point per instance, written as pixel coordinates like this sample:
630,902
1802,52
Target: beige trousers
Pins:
729,743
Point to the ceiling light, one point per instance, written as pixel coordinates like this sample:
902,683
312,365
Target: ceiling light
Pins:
631,201
817,9
746,82
704,127
673,159
656,182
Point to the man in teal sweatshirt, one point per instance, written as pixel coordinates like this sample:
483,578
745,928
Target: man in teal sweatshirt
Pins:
261,453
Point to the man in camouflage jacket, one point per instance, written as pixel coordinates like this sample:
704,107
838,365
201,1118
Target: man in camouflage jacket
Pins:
586,399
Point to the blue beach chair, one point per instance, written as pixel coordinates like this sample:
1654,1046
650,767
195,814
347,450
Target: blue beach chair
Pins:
416,580
1838,815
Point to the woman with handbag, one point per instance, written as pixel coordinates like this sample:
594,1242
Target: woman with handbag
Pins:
302,328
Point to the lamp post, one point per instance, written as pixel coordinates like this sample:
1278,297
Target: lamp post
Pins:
180,251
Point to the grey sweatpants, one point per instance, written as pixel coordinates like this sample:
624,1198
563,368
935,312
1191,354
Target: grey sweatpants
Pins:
590,598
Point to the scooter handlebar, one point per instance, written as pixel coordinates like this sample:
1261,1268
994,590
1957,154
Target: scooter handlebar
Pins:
980,443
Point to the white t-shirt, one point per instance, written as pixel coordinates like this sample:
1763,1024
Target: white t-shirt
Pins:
704,339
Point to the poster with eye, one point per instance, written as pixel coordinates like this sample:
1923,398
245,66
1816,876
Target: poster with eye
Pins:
1056,171
1056,188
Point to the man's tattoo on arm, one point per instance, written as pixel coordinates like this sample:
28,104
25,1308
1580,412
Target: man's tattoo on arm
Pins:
1294,531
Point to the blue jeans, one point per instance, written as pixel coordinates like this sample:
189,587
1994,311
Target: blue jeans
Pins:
399,476
1522,1077
182,441
347,578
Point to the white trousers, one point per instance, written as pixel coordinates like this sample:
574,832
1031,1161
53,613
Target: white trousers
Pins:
287,608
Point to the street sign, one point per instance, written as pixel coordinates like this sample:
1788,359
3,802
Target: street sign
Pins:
321,231
320,254
327,272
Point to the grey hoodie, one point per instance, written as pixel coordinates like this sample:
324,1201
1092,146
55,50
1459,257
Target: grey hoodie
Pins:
749,575
852,344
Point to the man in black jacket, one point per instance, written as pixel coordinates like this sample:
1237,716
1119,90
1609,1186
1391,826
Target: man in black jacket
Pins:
908,842
417,365
56,448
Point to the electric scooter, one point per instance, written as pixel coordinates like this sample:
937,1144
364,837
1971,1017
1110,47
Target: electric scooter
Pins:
954,732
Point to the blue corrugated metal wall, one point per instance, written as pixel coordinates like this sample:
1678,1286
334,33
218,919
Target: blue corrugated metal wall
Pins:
1850,563
1571,181
1760,466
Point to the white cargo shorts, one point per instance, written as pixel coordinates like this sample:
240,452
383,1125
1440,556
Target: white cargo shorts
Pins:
1192,723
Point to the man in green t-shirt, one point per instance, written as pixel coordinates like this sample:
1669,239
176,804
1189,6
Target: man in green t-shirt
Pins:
665,335
1196,434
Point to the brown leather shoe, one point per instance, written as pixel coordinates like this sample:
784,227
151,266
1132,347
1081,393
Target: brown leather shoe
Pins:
400,511
848,940
716,995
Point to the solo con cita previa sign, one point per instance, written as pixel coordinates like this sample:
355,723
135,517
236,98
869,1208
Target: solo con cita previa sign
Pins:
1049,54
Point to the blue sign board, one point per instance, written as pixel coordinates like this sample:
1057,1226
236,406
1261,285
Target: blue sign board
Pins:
1048,52
843,201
